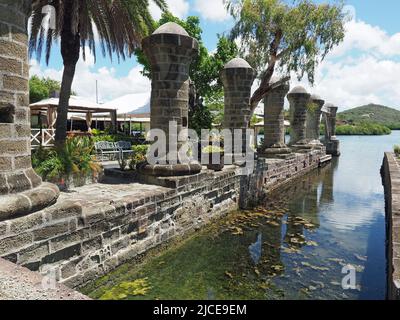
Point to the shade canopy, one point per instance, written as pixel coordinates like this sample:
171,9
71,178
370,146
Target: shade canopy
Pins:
131,104
76,105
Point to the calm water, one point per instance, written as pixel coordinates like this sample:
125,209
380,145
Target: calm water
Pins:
292,247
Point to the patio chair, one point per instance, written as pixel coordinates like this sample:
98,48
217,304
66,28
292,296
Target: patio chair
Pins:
106,150
124,147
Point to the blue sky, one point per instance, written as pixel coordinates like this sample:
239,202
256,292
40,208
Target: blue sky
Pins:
365,68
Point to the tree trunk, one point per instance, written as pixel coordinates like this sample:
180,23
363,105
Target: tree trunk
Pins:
70,48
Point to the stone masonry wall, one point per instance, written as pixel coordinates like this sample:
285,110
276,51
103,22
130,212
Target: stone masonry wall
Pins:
391,182
85,235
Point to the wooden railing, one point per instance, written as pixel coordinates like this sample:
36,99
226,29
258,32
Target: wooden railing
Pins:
43,137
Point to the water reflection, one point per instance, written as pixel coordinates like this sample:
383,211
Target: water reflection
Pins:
291,247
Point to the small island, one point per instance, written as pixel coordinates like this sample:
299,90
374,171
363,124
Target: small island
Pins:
370,119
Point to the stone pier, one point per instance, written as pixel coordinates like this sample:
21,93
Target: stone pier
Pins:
170,50
21,189
391,181
313,121
299,99
237,78
332,143
274,123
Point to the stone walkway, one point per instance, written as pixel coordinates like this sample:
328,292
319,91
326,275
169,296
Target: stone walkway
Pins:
110,191
18,283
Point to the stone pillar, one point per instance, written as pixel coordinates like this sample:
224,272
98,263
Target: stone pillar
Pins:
274,123
332,143
237,78
21,189
298,98
170,51
313,121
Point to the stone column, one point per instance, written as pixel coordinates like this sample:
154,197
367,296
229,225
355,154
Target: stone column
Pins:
237,78
274,123
298,98
313,121
21,189
332,143
170,51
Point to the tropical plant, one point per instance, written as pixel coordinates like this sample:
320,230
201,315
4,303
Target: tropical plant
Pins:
291,36
119,24
76,158
138,156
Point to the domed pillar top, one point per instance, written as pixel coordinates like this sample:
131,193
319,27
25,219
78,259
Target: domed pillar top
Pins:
237,77
299,99
314,120
170,51
274,121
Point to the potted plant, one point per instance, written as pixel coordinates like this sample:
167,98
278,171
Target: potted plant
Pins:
214,152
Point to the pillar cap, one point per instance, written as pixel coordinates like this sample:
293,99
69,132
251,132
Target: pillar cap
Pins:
315,97
298,90
172,28
330,107
237,63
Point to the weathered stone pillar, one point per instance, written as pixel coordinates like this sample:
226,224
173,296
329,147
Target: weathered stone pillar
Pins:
298,98
332,143
274,123
21,189
170,50
237,78
313,121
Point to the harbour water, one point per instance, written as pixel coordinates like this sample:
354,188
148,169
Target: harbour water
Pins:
300,244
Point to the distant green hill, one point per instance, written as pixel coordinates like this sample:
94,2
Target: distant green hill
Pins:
386,116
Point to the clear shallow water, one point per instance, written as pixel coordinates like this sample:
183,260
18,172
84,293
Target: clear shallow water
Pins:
292,247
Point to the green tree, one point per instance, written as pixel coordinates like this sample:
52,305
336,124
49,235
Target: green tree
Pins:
41,88
204,70
120,25
292,36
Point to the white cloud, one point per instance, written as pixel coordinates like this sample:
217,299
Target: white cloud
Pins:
213,10
179,8
364,69
110,85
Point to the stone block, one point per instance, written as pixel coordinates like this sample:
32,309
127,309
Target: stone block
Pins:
19,36
33,253
5,165
15,243
63,254
111,236
9,65
66,210
93,214
15,83
60,242
51,230
14,146
91,245
23,162
22,224
120,244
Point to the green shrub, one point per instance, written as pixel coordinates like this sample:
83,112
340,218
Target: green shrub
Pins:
397,150
138,156
363,128
75,158
212,149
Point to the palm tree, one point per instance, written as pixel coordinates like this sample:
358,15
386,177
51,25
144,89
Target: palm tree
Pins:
120,25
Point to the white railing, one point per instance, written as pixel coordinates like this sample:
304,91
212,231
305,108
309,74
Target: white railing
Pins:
44,137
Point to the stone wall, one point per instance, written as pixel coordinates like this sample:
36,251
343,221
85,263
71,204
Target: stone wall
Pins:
87,234
391,183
